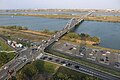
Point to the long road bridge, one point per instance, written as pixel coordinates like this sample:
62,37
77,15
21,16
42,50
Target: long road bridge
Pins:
27,55
69,26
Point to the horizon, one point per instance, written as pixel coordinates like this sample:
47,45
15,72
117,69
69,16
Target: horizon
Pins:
55,4
59,9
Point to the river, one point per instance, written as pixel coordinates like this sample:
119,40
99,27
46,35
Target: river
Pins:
107,31
73,13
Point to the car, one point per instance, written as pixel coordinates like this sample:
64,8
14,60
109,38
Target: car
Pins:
56,40
83,47
64,64
1,77
33,60
11,71
34,49
57,60
117,64
5,67
81,54
50,58
54,36
69,64
48,40
44,57
42,40
74,48
76,66
25,59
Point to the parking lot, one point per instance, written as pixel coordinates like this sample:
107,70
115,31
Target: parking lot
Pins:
95,55
68,48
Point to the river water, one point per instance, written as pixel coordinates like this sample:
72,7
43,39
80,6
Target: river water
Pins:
72,13
108,32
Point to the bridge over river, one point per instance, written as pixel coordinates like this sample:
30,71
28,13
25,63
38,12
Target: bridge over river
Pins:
27,55
69,26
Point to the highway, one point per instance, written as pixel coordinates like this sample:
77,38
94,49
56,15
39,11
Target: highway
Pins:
28,55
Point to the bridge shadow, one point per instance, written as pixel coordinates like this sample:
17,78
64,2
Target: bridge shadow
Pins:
49,47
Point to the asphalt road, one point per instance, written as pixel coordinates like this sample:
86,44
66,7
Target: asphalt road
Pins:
15,64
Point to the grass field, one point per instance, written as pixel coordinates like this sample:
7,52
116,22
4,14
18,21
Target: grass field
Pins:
67,74
4,46
5,57
31,70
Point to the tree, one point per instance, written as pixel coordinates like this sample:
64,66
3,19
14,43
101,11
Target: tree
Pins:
45,31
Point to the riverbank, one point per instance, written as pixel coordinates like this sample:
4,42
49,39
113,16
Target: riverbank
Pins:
74,41
37,36
69,16
72,37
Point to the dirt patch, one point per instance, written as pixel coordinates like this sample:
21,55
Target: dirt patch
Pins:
35,32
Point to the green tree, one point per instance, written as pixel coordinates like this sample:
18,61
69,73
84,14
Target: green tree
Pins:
45,31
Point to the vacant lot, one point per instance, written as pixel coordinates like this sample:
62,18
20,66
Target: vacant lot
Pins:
4,46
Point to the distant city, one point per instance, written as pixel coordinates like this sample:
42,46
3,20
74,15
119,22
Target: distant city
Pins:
60,10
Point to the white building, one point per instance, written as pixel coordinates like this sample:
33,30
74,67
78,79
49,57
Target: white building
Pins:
19,45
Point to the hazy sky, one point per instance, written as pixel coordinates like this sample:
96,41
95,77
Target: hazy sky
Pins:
30,4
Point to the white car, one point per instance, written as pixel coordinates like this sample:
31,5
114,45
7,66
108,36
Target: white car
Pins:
5,67
64,64
81,54
48,40
42,40
1,77
56,40
54,36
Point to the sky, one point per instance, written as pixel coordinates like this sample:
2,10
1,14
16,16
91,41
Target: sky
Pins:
60,4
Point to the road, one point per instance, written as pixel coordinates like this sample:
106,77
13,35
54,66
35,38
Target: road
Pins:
28,55
70,25
23,58
77,66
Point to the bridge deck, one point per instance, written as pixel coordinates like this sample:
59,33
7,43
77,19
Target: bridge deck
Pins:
69,26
